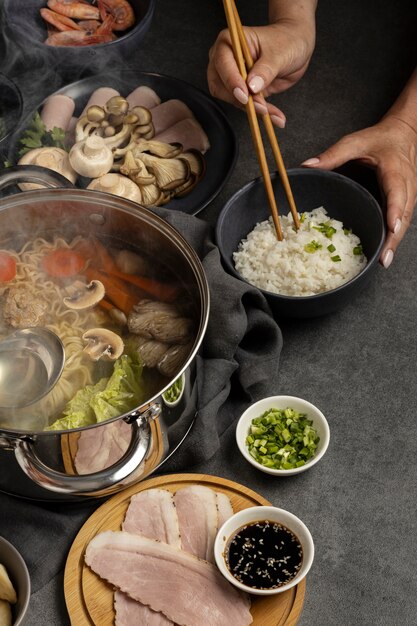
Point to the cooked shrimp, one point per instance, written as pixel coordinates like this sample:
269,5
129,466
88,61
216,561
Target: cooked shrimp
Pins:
61,22
71,8
90,25
67,38
121,11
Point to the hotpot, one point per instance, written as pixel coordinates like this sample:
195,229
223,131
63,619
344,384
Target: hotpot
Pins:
39,464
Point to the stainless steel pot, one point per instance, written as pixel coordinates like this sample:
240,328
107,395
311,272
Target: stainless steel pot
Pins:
39,464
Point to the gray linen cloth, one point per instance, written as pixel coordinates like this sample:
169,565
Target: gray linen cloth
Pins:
239,360
237,364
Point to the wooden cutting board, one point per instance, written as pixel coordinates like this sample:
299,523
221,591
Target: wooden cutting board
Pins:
89,599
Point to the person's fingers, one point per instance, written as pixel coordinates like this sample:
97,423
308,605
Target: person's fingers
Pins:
223,73
276,115
346,149
401,197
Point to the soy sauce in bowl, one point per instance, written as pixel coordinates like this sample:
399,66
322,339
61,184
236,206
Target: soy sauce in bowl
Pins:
264,555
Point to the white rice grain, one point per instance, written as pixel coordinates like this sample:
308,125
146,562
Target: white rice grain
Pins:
301,264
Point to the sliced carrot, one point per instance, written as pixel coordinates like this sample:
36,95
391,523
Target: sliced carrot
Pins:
103,261
63,262
106,305
118,292
7,267
97,254
160,291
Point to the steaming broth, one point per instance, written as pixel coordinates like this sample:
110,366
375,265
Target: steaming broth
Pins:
36,297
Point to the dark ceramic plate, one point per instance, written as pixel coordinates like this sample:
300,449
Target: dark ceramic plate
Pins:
221,156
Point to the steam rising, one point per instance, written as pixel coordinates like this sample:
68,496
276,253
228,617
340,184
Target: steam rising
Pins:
38,69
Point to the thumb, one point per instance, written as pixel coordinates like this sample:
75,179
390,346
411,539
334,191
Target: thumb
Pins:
261,75
346,149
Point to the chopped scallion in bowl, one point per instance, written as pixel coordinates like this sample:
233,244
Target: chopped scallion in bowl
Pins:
282,435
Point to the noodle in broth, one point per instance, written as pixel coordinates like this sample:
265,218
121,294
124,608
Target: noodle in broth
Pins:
67,323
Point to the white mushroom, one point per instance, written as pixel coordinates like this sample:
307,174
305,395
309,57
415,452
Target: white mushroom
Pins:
118,185
103,343
83,296
91,158
52,158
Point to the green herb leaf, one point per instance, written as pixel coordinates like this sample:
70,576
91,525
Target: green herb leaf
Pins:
357,250
347,231
325,228
173,393
312,246
336,258
331,248
36,136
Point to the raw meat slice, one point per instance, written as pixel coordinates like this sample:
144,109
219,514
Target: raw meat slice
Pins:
198,520
130,612
57,111
143,96
189,133
101,447
187,590
152,513
224,508
169,113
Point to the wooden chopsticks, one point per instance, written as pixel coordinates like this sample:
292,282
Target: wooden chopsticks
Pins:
245,62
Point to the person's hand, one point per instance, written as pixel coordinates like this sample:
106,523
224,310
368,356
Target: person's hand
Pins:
281,52
391,148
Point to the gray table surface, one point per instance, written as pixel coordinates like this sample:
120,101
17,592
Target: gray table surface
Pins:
357,365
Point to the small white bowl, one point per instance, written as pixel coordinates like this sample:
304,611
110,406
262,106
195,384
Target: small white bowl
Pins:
283,402
259,513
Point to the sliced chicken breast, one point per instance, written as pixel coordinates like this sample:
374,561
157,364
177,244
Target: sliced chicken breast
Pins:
198,520
185,589
188,132
57,111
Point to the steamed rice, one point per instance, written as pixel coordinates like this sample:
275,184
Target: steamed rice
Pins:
302,264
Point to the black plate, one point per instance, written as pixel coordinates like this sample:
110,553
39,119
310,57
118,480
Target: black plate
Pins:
221,156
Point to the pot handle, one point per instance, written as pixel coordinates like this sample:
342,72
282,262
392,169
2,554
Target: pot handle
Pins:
95,484
32,174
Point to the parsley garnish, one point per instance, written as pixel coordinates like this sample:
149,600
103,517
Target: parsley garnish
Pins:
36,136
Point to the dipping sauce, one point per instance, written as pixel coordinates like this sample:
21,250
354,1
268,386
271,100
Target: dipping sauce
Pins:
264,555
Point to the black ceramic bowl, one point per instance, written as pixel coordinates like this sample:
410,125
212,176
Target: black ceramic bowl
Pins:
10,109
344,200
26,28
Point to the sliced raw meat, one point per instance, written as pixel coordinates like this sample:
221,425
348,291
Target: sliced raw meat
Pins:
99,97
169,113
198,520
187,590
189,133
57,111
101,447
143,96
130,612
224,508
152,513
